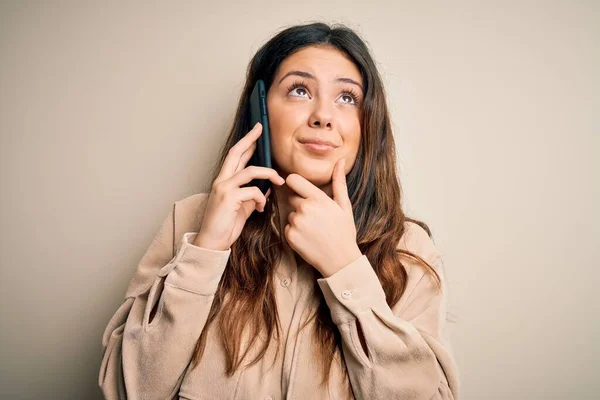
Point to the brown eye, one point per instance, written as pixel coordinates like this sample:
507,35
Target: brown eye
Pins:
300,87
348,97
299,90
353,99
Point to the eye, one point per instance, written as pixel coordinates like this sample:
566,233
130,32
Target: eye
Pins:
300,88
351,96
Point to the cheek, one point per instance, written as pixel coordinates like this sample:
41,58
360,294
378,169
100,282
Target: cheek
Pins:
282,131
277,117
353,137
286,118
352,148
284,122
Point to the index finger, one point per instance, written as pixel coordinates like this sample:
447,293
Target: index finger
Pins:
303,186
235,153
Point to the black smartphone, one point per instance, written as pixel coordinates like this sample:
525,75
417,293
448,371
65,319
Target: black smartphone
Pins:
262,153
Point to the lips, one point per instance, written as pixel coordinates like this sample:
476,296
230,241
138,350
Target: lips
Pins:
321,149
318,142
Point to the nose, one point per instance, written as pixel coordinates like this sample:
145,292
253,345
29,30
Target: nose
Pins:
316,123
321,117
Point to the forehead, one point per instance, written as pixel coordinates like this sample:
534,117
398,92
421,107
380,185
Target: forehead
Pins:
325,63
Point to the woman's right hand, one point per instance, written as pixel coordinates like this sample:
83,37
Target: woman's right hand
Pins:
229,205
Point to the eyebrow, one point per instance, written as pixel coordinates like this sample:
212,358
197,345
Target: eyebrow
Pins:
308,75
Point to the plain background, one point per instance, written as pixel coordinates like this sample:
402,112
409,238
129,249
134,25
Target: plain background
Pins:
110,111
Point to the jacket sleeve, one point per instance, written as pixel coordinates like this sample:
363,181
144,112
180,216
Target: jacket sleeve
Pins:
146,357
408,353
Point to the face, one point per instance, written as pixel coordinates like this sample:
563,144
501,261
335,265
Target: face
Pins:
315,96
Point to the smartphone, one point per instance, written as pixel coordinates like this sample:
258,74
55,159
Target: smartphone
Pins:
262,153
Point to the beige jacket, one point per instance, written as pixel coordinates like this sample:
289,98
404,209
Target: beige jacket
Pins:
409,353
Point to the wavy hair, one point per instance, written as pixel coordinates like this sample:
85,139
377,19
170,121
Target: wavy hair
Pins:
245,302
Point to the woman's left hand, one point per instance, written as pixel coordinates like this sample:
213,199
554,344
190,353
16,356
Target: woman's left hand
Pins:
321,229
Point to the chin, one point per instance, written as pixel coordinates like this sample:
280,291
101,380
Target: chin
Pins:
319,174
316,170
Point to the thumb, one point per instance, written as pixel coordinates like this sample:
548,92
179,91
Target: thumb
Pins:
339,187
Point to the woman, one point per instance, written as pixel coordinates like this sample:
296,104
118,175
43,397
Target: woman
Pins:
327,291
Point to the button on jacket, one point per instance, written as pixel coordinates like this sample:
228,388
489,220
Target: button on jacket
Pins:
409,355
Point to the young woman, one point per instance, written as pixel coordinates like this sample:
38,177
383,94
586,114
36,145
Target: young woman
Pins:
322,288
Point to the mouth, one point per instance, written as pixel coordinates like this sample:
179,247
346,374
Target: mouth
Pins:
317,146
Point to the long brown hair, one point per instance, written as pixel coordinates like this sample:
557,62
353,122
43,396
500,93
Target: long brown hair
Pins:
245,303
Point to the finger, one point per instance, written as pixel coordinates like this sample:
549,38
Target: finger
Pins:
339,187
295,201
254,172
303,186
291,217
235,153
245,158
248,207
251,194
266,198
290,236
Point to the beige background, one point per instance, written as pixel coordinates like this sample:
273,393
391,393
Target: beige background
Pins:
110,112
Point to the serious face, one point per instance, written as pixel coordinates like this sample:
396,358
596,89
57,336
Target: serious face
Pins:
314,113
